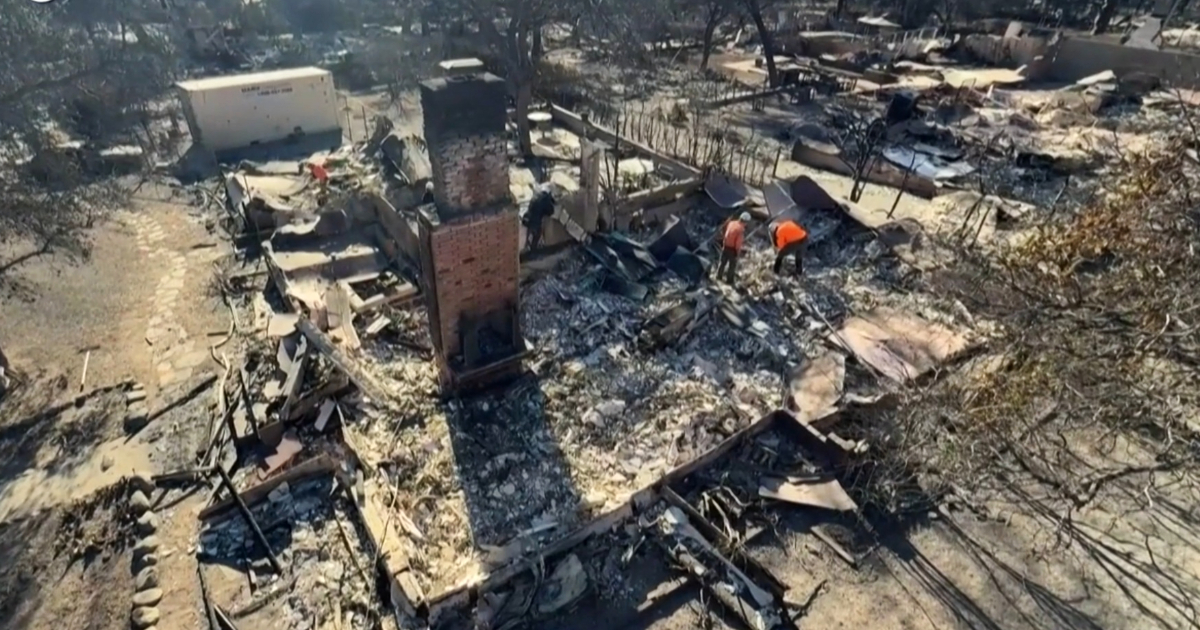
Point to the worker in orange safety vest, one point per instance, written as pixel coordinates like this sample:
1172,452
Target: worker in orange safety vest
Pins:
732,238
789,239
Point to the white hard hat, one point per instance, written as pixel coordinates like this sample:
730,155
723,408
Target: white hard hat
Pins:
745,217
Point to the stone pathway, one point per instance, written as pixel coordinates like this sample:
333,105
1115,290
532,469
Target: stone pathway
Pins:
176,354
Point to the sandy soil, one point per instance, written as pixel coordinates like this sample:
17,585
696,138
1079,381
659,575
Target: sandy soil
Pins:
64,452
67,567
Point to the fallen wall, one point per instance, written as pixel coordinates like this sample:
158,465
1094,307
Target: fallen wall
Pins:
1076,58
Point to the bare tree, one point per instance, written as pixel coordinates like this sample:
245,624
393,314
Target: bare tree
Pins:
1104,16
715,12
755,9
74,78
514,43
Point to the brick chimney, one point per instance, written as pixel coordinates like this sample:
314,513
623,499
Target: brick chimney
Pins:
470,235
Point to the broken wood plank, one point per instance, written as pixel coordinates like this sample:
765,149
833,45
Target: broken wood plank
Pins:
295,377
311,400
322,464
209,608
249,518
818,492
326,412
757,607
377,325
246,402
742,560
372,303
837,548
183,475
261,602
362,379
281,324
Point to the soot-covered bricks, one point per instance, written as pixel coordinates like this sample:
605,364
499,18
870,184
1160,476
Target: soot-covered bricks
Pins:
471,236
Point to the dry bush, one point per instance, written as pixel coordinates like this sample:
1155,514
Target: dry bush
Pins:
1096,322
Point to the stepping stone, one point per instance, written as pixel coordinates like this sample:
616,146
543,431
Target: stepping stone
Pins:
136,419
146,546
147,523
146,578
142,480
139,503
144,618
148,597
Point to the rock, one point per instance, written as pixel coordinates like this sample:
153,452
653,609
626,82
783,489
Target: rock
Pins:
147,598
144,618
594,418
134,396
139,503
136,418
594,500
610,408
147,578
145,546
508,489
107,462
142,480
147,524
145,562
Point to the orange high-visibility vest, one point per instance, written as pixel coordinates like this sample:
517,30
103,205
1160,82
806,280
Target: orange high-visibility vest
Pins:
735,234
787,233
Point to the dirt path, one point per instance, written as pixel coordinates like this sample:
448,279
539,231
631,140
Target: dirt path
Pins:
175,324
138,311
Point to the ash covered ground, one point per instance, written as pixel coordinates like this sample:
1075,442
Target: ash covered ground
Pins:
598,417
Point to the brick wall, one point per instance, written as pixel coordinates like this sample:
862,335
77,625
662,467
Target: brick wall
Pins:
471,248
465,121
469,172
476,268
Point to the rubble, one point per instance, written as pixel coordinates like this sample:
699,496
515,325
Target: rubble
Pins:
637,364
483,479
307,525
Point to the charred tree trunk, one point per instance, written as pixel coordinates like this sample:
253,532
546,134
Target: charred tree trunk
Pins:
768,42
716,14
539,49
709,29
1105,16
